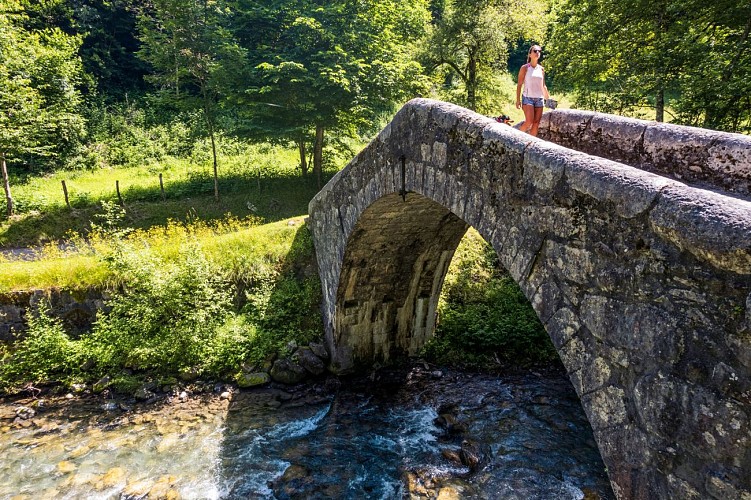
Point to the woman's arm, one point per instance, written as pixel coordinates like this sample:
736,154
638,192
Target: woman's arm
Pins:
544,87
520,81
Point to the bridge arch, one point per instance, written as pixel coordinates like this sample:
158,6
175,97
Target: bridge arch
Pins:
642,282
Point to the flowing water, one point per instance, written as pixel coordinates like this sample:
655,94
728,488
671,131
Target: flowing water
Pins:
419,432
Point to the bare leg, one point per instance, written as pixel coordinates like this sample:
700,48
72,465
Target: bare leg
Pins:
529,115
536,121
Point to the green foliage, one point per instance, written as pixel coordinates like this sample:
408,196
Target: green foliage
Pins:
163,317
174,309
484,318
45,354
629,57
468,46
40,76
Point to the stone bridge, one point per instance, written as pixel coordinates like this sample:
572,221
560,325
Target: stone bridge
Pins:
637,262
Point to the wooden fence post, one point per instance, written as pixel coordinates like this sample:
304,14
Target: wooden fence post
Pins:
119,196
65,192
161,186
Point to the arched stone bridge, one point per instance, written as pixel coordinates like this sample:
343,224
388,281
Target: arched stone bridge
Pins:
642,281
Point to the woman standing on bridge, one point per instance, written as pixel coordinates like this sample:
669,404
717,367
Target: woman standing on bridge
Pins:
532,76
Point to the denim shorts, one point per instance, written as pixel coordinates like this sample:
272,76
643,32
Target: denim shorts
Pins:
532,101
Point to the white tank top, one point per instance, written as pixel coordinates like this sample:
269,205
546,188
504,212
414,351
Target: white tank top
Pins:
533,81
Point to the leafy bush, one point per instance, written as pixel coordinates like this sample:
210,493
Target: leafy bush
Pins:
45,354
165,315
484,317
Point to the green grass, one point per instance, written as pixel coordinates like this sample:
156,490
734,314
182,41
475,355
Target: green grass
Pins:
231,246
263,181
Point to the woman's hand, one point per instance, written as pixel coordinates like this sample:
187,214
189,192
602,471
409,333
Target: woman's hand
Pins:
518,104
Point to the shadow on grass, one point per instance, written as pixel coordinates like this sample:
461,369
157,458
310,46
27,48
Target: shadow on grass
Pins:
271,198
292,311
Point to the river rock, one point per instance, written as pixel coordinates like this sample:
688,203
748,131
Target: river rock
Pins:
286,371
309,360
7,413
448,493
319,350
24,412
143,394
245,380
101,384
164,488
112,477
451,455
471,454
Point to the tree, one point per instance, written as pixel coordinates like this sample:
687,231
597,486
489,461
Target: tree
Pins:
109,45
326,65
192,54
626,55
39,75
471,39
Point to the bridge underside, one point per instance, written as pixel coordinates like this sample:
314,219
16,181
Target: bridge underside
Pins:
392,274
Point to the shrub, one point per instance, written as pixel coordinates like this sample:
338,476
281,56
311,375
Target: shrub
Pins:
484,317
164,316
45,354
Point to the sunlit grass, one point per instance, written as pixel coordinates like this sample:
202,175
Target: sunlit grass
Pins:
236,247
260,180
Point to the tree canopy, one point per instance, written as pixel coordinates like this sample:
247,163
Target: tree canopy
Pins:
624,56
39,76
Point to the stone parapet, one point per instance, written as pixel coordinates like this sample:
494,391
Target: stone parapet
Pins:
707,158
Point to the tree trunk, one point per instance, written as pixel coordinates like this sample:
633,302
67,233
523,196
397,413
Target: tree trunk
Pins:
216,170
6,184
303,156
210,124
660,105
318,154
472,84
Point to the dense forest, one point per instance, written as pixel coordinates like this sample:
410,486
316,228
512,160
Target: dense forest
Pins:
85,84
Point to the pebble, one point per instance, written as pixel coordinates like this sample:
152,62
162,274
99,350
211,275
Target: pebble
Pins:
225,395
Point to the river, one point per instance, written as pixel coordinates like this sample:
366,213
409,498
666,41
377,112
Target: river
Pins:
420,432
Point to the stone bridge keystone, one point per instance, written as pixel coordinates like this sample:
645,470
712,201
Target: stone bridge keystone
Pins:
631,240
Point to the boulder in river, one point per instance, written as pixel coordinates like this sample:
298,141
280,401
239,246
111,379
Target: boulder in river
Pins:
309,360
286,371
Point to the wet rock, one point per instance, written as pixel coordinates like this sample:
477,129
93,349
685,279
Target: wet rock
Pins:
414,485
451,455
245,380
225,395
136,490
101,384
111,478
164,489
110,406
471,454
448,493
286,371
319,350
310,361
445,420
